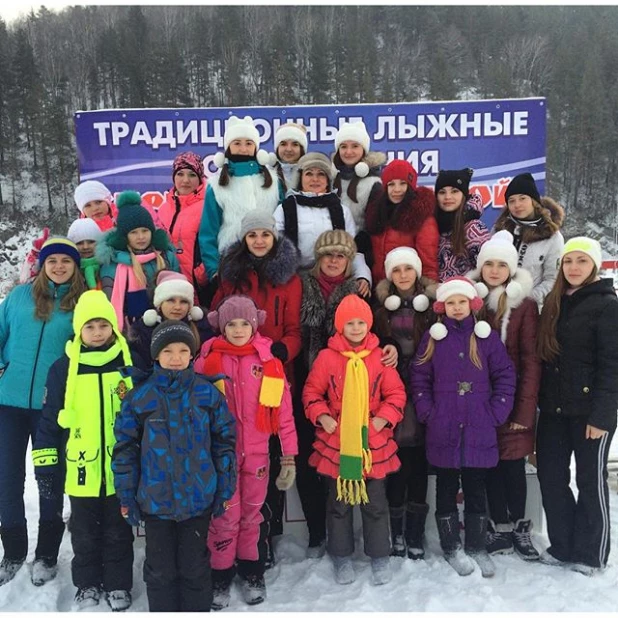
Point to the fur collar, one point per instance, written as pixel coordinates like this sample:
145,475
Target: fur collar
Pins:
408,215
313,312
383,291
278,270
521,277
552,215
373,160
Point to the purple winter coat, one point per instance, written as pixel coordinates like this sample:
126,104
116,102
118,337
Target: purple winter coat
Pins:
460,404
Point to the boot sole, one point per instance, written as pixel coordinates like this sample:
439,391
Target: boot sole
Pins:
502,552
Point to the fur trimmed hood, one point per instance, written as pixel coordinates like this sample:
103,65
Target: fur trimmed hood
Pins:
552,215
383,290
278,270
517,290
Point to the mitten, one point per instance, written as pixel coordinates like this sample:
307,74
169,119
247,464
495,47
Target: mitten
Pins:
286,477
131,513
47,486
279,350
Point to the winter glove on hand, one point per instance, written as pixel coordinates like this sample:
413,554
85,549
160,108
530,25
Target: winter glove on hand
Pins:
279,350
131,513
218,506
47,486
286,477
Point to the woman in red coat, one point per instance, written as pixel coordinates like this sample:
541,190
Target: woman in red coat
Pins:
403,216
514,314
181,213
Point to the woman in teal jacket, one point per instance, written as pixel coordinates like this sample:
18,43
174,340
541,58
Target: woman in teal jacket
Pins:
35,324
131,255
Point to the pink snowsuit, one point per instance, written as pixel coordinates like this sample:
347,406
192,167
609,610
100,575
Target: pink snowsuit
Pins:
236,533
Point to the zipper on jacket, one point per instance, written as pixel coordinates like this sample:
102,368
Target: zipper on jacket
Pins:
36,360
277,310
103,445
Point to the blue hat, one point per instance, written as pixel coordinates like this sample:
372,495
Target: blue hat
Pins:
58,244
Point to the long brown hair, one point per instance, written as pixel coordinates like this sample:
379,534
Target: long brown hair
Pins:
548,348
44,299
353,182
224,176
458,234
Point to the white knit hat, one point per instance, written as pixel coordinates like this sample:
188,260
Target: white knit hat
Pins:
89,191
171,284
293,131
400,256
354,132
499,247
586,245
84,229
240,128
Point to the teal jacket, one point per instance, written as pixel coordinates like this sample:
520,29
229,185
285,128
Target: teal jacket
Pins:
235,200
29,347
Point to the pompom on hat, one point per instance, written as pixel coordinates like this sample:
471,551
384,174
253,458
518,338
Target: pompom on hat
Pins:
171,331
451,287
241,128
586,245
59,244
398,169
352,307
90,191
291,131
171,284
237,307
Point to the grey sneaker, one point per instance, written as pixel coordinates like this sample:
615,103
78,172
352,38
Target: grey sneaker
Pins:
381,570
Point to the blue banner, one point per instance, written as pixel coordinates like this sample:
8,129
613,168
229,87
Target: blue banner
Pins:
134,148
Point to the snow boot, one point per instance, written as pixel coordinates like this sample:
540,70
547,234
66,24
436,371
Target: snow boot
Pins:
221,584
398,542
522,541
45,567
499,538
43,571
344,570
551,560
86,597
476,536
416,515
584,569
381,570
15,543
118,600
253,589
450,541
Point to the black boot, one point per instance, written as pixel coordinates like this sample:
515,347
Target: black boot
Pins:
15,543
416,515
522,541
450,541
221,584
398,543
252,584
44,567
476,538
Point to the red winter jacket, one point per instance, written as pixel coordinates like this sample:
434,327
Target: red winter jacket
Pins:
416,227
180,216
323,394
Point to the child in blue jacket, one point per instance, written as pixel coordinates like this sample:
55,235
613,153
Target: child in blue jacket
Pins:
174,467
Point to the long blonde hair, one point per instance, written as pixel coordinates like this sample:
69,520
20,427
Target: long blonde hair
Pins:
473,351
138,270
44,300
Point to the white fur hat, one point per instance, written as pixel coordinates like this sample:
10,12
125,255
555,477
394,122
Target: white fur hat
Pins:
84,229
240,128
354,132
89,191
402,255
499,247
586,245
171,284
293,131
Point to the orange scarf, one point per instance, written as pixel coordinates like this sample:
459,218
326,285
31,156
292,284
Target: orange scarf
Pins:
271,390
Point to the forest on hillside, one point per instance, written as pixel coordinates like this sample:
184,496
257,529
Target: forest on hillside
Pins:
82,58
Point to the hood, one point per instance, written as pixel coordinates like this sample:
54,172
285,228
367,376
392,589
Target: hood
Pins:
552,215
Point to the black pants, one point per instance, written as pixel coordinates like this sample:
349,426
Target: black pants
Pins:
275,499
102,544
578,530
472,483
410,481
311,487
177,566
339,518
507,491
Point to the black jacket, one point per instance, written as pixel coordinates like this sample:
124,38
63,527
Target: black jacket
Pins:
583,381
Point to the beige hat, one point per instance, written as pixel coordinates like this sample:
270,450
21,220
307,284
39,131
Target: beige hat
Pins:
319,160
334,241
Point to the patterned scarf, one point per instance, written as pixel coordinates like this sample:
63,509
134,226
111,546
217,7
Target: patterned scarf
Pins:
271,390
354,454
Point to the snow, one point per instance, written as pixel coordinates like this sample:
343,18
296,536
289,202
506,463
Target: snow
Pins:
296,584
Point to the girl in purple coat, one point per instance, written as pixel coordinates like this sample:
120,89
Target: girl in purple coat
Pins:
463,386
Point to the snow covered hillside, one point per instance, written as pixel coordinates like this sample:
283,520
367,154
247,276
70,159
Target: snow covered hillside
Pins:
296,584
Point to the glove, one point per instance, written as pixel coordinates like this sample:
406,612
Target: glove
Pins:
279,350
286,477
218,506
131,513
47,486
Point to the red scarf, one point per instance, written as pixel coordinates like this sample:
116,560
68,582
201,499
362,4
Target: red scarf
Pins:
328,284
271,390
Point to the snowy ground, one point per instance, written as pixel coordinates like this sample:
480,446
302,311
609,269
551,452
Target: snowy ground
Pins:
296,584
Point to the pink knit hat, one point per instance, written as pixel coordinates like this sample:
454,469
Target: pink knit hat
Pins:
237,307
171,284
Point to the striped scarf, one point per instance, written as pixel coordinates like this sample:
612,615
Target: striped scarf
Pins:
271,390
354,453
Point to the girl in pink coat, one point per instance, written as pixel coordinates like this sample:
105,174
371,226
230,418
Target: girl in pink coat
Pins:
258,396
